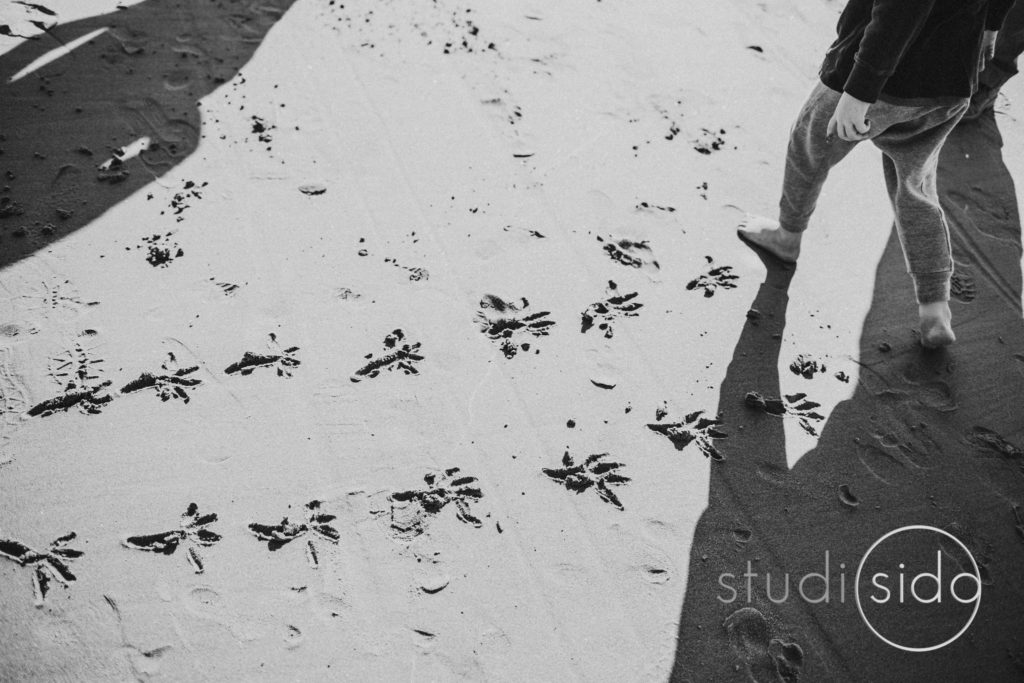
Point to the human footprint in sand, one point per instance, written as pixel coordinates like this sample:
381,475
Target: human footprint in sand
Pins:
901,73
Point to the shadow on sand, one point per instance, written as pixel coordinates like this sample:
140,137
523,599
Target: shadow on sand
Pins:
139,75
927,438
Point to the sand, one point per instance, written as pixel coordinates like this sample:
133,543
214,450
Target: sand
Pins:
412,341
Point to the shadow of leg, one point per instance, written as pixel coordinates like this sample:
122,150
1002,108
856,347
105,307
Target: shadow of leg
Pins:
927,438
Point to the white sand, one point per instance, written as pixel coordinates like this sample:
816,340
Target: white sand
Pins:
416,151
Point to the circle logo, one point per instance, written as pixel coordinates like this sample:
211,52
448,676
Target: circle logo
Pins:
910,606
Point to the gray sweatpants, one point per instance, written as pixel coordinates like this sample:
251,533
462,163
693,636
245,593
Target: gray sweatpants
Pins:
910,136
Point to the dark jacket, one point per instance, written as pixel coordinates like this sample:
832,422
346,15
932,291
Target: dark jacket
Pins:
910,49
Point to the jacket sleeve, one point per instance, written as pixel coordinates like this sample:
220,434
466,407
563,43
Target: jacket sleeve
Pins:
997,11
893,27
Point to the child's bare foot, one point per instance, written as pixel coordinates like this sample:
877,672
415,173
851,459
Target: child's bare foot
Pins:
766,233
936,325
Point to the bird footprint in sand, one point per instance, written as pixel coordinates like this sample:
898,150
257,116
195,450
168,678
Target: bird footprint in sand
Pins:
794,405
716,278
594,472
604,312
806,366
317,524
89,400
168,384
192,533
411,510
46,566
694,428
79,371
396,356
283,360
629,253
505,322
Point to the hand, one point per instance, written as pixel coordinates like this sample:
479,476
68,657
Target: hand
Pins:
988,49
850,120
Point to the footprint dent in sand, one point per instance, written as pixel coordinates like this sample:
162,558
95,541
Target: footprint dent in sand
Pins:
717,277
317,525
79,370
603,313
412,510
847,497
192,532
312,189
397,355
508,322
282,360
47,567
595,472
632,254
693,429
763,657
962,286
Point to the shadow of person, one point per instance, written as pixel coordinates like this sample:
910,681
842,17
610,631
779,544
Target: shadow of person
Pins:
927,438
132,76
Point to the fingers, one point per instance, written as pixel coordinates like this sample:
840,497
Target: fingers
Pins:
849,129
830,132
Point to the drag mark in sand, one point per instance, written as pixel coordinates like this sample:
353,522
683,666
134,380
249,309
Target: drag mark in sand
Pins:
192,533
317,523
794,405
55,296
168,384
282,360
716,278
505,322
46,566
989,441
604,312
594,472
411,510
694,428
632,254
228,288
394,357
13,403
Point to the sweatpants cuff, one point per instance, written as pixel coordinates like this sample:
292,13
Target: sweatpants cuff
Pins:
790,224
932,287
